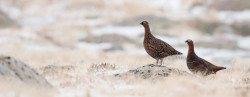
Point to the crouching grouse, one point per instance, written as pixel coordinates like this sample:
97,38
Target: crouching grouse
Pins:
198,65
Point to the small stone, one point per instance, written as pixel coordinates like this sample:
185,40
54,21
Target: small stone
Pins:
8,57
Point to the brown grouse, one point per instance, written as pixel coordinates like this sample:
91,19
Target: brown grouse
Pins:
155,47
198,65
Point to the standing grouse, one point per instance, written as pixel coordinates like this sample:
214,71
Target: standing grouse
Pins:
155,47
198,65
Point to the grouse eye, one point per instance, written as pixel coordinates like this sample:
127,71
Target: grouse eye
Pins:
144,22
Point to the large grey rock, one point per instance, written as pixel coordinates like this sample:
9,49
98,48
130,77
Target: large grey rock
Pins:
6,21
153,71
17,71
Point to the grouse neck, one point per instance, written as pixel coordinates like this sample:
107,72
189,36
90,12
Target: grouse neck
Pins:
191,49
147,31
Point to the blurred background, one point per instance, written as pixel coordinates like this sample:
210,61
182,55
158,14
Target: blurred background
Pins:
219,28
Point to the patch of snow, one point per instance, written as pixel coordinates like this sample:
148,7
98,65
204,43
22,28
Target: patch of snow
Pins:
137,52
244,43
94,46
131,32
89,22
171,40
233,36
13,12
38,47
198,12
230,17
28,35
219,55
35,21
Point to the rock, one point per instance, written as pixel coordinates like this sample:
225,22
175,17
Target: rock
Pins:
6,21
17,71
153,71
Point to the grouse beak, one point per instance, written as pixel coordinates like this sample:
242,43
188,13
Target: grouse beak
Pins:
141,23
186,41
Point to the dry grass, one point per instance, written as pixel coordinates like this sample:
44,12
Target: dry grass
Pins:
76,73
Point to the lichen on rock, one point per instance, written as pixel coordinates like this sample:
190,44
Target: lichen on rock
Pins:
153,71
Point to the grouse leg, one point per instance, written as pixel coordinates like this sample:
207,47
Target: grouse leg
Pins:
157,60
161,61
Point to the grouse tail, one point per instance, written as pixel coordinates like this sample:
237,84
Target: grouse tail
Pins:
219,68
179,53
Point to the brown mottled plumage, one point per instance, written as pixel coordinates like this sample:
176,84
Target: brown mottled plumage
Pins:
155,47
198,65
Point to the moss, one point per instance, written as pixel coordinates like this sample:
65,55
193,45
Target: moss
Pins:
208,27
242,29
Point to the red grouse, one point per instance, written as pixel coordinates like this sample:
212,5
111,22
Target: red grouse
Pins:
198,65
155,47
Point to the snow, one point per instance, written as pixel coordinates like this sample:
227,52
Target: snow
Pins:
198,12
94,46
221,56
90,22
171,40
131,32
230,16
36,21
244,43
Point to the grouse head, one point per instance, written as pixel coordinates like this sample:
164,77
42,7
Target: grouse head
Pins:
144,23
189,41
